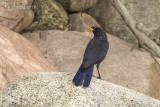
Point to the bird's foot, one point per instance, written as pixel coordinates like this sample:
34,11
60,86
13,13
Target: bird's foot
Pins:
99,77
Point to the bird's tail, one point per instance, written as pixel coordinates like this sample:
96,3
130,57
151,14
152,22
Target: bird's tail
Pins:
83,74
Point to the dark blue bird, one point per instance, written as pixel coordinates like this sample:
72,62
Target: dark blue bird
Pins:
95,53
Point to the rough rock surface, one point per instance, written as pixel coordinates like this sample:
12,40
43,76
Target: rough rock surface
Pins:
13,15
18,56
77,5
145,12
65,4
25,22
79,21
50,15
55,89
80,5
133,69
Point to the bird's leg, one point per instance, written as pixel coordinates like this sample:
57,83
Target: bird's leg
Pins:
99,76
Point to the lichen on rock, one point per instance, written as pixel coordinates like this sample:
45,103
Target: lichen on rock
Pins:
50,15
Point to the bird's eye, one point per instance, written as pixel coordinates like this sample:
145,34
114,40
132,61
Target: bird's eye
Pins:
96,29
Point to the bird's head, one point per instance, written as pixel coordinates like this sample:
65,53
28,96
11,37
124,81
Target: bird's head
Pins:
97,31
93,28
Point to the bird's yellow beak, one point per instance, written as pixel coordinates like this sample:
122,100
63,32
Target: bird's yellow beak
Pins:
90,28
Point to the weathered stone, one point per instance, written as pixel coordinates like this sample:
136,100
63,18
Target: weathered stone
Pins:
50,15
25,22
145,12
14,15
77,5
133,69
55,89
79,21
18,56
80,5
32,27
65,4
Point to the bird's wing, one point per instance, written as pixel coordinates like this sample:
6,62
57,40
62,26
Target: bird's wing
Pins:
94,53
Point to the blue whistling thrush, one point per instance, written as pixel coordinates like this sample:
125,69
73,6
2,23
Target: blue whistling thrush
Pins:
95,53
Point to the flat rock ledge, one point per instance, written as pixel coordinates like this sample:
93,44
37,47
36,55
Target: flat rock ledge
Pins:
55,89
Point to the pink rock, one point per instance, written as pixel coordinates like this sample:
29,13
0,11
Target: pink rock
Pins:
18,56
16,14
